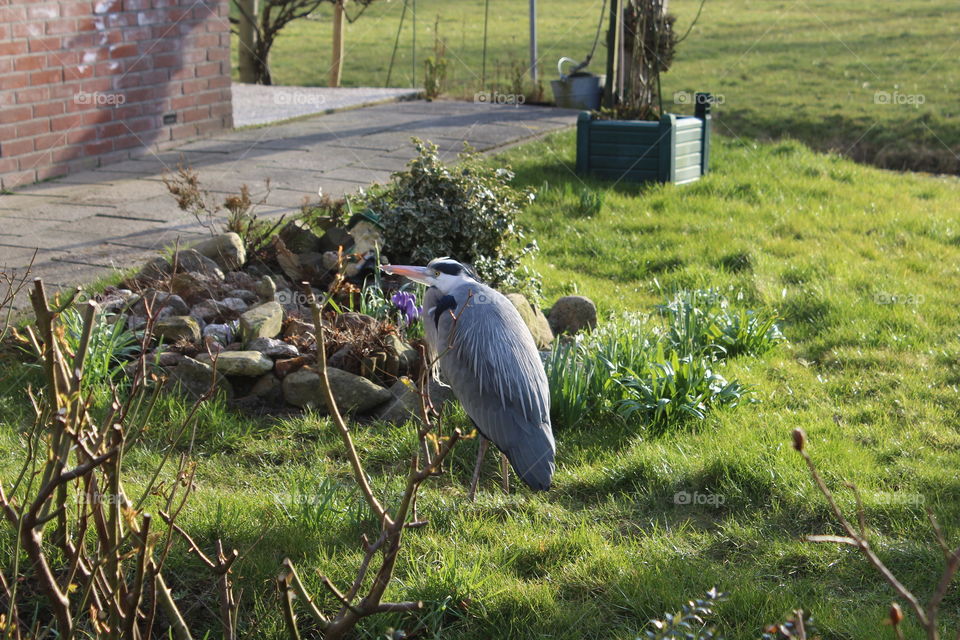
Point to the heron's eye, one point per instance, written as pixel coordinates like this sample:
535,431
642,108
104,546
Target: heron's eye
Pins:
436,274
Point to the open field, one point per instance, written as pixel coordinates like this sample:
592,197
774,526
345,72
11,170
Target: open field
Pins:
861,264
874,80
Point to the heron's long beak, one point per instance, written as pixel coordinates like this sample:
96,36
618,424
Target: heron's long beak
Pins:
417,274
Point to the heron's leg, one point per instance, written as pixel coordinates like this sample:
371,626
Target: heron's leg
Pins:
484,443
504,473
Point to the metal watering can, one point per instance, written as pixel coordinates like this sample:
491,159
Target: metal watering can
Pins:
578,90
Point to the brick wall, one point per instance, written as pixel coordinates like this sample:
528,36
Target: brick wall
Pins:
83,84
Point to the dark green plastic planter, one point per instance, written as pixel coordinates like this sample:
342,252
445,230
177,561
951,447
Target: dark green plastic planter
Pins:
676,149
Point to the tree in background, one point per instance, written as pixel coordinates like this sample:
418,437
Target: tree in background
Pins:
259,26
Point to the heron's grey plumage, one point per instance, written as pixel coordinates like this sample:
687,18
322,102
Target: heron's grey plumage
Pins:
489,359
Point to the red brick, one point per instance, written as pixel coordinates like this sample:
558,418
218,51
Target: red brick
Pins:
166,60
138,125
220,109
220,82
49,141
17,114
20,179
8,164
29,63
31,95
95,117
127,141
209,69
16,147
62,26
48,109
43,12
123,51
44,45
33,128
193,56
14,48
12,14
193,115
66,122
108,6
182,73
45,173
180,131
46,77
62,59
191,87
75,8
219,54
142,94
78,136
155,76
96,148
15,81
136,5
210,97
33,160
79,72
111,130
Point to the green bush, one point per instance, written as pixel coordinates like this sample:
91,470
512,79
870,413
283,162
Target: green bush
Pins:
467,211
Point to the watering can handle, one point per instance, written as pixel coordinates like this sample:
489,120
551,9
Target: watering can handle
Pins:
560,65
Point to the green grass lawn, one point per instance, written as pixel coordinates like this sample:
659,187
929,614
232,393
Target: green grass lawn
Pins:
862,266
809,70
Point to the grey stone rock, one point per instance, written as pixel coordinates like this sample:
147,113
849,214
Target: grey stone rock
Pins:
208,310
571,314
298,237
297,327
342,357
244,294
267,289
169,358
226,250
235,304
222,333
273,348
160,301
403,405
136,323
407,356
353,321
267,387
190,286
330,260
352,393
334,238
190,260
176,328
193,379
534,319
249,364
262,321
156,269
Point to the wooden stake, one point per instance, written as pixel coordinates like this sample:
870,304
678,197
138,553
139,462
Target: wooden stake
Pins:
337,65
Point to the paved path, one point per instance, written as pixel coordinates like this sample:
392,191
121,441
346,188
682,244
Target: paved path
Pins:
263,104
87,224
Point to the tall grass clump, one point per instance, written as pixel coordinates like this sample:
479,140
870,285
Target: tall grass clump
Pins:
110,346
660,368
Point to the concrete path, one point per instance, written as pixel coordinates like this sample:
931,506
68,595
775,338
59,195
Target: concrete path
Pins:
85,225
261,104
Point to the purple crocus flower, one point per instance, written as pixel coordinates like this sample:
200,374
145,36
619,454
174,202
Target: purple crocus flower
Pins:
407,303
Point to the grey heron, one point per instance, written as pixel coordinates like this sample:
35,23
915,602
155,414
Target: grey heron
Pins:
489,359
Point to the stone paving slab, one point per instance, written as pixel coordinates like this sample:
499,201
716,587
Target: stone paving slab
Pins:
258,104
90,224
